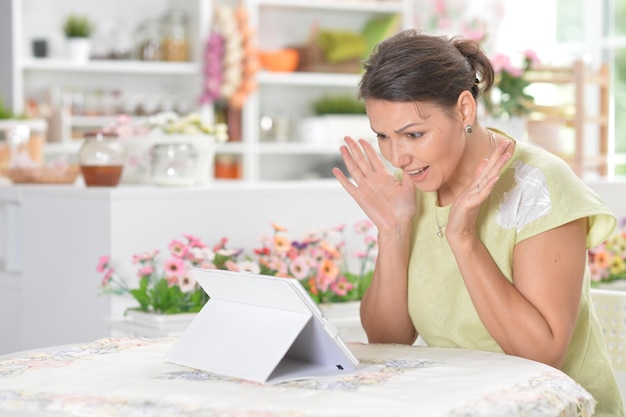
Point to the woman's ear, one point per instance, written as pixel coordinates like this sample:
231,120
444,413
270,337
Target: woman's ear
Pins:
466,105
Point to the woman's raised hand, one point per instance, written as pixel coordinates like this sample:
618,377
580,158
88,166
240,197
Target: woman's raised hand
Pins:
387,201
464,210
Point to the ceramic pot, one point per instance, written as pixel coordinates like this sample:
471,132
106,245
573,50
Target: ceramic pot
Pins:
78,49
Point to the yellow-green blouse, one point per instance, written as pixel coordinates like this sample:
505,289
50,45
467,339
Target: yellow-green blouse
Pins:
536,192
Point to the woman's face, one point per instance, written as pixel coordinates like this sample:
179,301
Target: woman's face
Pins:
418,138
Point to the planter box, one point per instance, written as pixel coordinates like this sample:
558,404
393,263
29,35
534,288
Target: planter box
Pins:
165,322
618,285
345,316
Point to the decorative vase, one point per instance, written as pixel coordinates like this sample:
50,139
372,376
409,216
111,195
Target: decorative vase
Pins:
78,49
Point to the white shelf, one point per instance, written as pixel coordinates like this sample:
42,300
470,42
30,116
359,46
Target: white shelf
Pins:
63,148
112,66
74,145
309,79
91,121
231,147
295,148
383,6
288,22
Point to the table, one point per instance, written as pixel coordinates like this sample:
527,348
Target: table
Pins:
128,377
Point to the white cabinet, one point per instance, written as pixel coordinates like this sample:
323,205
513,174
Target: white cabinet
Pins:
287,98
51,298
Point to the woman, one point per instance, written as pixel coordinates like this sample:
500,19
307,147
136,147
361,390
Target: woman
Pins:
482,239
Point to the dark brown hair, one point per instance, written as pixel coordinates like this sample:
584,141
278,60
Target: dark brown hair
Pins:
412,66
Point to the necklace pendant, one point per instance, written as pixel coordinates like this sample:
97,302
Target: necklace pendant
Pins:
439,233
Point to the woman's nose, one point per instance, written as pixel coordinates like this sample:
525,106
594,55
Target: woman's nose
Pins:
400,155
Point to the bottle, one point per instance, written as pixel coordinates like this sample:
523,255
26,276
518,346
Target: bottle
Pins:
101,159
173,164
175,42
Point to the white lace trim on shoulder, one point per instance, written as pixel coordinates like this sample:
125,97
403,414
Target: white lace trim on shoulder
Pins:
527,201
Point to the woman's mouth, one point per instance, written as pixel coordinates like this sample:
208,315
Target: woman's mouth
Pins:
417,173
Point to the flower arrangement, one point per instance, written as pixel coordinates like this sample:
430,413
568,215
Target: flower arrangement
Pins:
508,97
607,261
168,123
318,260
171,290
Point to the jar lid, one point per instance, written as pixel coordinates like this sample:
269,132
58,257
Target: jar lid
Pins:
175,15
98,134
172,149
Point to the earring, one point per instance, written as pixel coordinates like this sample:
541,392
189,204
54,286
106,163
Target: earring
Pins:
469,129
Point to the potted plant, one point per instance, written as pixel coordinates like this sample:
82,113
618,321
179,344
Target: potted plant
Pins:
335,117
78,30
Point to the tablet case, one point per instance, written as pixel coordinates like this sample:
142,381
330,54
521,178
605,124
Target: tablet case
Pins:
260,328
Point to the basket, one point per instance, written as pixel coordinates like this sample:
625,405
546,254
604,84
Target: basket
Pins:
43,175
312,60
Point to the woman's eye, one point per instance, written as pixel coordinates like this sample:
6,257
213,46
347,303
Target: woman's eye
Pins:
380,136
414,135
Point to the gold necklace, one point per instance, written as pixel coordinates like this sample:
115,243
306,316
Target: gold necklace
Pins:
439,226
440,234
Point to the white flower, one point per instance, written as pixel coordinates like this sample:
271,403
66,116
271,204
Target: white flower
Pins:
249,266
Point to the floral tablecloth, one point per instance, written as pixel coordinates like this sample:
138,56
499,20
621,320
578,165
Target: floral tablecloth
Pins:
129,377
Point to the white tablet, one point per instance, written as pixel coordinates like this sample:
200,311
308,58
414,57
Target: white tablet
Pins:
260,328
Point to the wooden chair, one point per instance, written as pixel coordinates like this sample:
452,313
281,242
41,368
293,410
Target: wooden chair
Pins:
579,114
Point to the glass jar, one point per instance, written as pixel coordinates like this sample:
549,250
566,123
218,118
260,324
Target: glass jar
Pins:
149,40
173,164
101,159
175,41
227,167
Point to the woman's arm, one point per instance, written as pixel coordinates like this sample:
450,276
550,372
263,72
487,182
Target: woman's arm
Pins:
384,307
390,204
534,317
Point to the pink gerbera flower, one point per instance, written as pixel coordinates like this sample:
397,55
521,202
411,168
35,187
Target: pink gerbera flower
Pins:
175,267
194,241
145,271
341,286
363,226
299,267
103,263
178,248
145,256
107,277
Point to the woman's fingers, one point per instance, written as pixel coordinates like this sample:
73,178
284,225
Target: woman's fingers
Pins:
488,170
